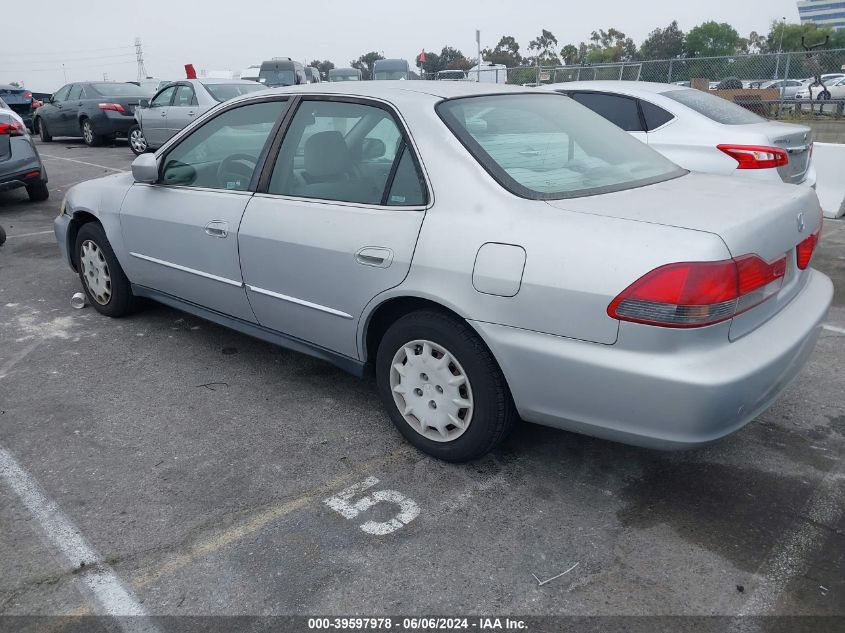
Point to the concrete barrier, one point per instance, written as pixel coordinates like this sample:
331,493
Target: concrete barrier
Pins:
829,160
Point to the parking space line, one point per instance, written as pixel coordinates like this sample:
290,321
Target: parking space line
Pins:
218,541
82,162
788,558
833,328
109,592
14,360
30,234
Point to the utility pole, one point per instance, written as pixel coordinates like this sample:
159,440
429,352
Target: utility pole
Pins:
780,48
139,56
478,47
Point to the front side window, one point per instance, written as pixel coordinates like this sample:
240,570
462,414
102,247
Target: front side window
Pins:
223,153
621,111
62,93
163,98
343,152
75,92
713,107
545,146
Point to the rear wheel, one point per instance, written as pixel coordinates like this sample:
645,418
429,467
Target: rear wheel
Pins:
442,387
824,95
103,280
91,138
42,130
38,192
137,142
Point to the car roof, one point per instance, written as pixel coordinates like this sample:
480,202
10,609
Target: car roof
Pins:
623,86
398,88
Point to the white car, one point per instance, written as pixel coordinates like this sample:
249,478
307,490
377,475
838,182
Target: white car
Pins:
700,131
834,88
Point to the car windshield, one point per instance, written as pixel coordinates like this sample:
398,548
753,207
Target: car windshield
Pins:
713,107
550,147
224,92
277,77
349,77
119,90
391,74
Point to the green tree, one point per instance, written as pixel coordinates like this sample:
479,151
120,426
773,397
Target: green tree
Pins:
505,52
610,46
365,63
755,43
323,66
665,43
570,55
712,39
792,34
544,47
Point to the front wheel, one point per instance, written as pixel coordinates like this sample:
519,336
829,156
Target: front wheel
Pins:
137,142
442,387
91,138
103,280
824,96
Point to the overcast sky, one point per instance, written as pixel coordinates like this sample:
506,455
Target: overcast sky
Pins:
96,37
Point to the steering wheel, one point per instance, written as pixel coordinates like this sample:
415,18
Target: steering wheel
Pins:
235,171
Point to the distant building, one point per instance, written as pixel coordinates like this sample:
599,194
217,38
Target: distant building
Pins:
829,13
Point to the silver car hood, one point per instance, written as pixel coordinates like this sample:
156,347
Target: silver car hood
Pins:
750,217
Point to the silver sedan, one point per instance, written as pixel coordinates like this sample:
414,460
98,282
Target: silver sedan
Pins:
179,103
493,255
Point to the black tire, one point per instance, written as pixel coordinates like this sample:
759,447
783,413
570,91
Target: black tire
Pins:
824,96
42,131
38,192
89,136
120,301
2,236
136,140
493,414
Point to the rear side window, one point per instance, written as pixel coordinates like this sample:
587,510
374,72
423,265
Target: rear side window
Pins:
346,152
654,116
713,107
547,147
621,111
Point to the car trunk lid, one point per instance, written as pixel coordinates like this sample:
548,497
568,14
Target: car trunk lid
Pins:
19,100
797,140
750,217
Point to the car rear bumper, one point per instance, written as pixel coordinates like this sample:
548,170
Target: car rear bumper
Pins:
108,123
677,399
19,169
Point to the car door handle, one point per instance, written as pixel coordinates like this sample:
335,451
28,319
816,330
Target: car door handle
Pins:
163,113
191,113
217,228
374,256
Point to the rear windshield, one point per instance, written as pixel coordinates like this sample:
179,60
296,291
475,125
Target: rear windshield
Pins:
119,90
547,146
277,77
384,75
224,92
350,77
713,107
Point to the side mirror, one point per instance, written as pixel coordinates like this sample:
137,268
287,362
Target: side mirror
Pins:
145,169
373,148
144,103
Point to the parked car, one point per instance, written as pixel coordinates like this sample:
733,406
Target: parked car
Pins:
281,71
312,75
178,104
834,88
98,111
344,74
488,72
565,273
387,69
20,101
700,131
20,164
788,87
451,75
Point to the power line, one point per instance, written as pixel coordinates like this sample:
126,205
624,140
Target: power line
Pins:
59,66
63,53
79,59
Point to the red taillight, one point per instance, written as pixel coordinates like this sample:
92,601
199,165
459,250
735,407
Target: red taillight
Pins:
27,94
756,156
695,294
804,250
111,106
14,128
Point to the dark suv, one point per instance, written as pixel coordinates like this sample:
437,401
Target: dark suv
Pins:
281,71
19,101
97,111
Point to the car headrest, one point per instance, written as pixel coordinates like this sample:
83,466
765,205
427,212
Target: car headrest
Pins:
326,155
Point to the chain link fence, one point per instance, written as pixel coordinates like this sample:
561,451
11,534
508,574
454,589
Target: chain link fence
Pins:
776,85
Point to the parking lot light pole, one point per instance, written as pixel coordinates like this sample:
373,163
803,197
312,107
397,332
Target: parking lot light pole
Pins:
780,47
